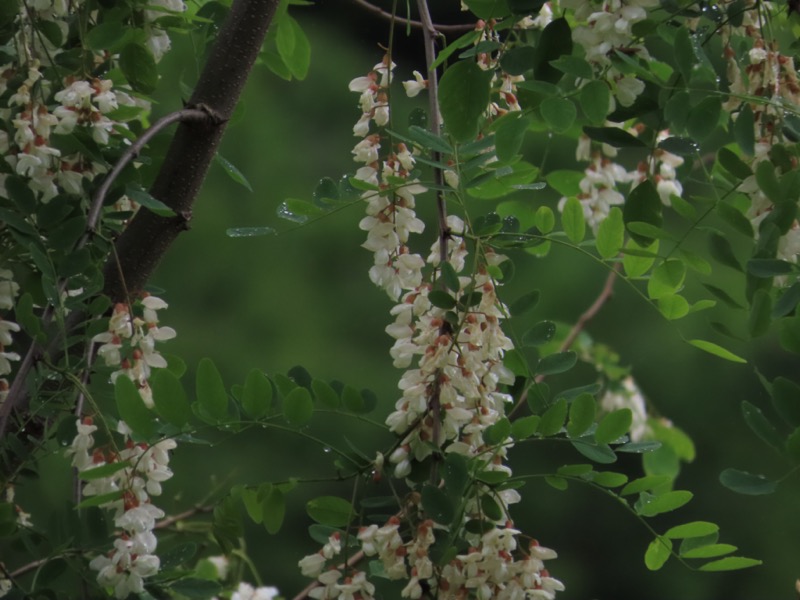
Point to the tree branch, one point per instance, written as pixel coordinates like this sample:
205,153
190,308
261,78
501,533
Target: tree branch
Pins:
580,325
377,11
148,236
185,115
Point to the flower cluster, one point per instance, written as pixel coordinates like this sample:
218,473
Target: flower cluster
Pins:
391,198
8,291
605,27
130,343
598,188
770,77
142,469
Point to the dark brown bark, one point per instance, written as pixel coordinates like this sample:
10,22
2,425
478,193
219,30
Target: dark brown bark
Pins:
148,237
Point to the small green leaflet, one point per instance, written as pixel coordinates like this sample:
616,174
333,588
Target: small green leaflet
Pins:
298,407
573,220
212,399
730,563
666,502
716,350
611,234
746,483
103,471
658,552
232,172
132,408
330,510
694,529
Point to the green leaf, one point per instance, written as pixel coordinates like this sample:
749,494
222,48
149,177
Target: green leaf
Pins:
768,267
658,552
576,66
768,182
100,500
679,145
169,397
463,97
666,279
709,551
325,394
790,334
106,470
760,313
613,136
642,205
573,220
761,426
787,302
609,479
673,306
525,427
611,234
558,483
132,408
730,563
581,415
539,334
742,482
257,394
437,505
793,445
744,130
613,426
595,100
716,350
554,42
565,182
510,135
553,419
733,164
525,303
139,68
545,219
330,510
704,118
648,482
441,299
498,432
693,529
556,363
599,453
786,400
298,407
722,251
273,509
558,113
427,140
293,47
666,502
140,196
232,172
518,60
636,264
211,395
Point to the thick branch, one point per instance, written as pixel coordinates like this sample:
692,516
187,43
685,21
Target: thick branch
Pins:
148,237
141,246
376,10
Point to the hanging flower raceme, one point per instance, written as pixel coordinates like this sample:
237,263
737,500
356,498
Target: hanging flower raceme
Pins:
130,343
142,470
391,218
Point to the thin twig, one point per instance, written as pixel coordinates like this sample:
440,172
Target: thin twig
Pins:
580,325
179,116
169,521
376,10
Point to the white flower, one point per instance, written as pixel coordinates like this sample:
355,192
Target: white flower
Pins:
413,88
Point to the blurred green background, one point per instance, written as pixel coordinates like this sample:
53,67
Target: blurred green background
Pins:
304,297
